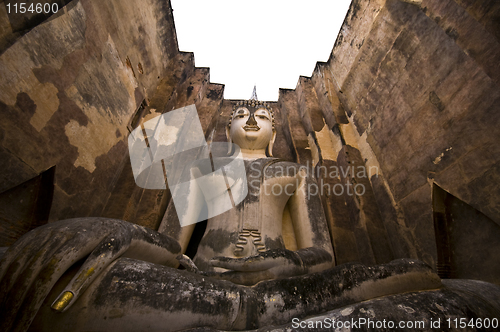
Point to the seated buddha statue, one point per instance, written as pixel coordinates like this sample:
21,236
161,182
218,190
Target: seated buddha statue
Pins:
245,244
109,275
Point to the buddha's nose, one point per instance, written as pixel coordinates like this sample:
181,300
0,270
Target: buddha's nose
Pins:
251,121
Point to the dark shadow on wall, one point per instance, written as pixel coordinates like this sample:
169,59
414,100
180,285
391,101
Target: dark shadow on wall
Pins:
198,233
25,207
468,242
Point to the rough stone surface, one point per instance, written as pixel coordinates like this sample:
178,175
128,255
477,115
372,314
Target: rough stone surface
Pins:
422,311
69,87
172,294
410,88
418,89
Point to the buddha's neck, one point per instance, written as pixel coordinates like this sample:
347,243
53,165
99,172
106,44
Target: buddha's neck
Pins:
253,154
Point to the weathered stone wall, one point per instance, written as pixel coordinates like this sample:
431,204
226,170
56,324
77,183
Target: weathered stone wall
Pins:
68,89
413,89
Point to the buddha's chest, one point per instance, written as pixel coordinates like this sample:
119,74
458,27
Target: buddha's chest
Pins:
255,224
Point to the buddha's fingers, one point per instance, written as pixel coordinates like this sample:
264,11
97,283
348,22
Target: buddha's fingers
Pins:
34,263
108,250
14,284
26,249
154,247
58,265
26,291
29,251
126,240
21,273
19,256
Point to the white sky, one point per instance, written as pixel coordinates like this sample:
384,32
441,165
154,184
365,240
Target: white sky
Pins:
269,43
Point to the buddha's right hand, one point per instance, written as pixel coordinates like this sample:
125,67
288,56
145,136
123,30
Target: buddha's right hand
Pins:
31,267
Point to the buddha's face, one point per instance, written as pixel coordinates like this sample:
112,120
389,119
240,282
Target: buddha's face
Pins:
251,127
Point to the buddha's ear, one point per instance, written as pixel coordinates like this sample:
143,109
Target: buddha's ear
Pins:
271,143
228,136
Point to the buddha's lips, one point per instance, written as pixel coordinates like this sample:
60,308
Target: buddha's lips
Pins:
250,128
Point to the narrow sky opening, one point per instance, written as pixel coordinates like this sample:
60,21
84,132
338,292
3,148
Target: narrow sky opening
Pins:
259,42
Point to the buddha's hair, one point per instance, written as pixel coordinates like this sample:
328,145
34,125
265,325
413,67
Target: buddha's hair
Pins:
252,103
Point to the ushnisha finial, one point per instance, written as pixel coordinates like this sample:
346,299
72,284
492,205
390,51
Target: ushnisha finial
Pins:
254,93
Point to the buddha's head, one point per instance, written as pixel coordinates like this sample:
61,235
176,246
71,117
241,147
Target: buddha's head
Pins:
251,126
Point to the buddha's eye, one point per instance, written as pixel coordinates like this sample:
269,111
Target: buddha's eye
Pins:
240,113
261,116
